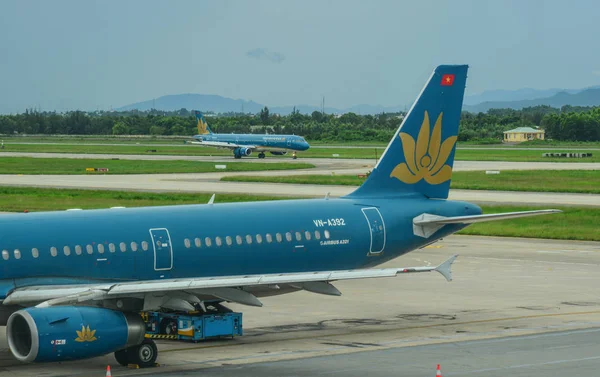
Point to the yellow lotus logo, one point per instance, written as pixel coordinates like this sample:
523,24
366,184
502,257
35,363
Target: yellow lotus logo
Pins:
85,335
202,127
425,160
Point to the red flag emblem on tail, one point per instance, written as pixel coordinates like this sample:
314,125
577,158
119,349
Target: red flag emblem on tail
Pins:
447,80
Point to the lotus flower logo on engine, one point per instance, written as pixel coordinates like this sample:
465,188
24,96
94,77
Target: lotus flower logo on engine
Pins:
85,335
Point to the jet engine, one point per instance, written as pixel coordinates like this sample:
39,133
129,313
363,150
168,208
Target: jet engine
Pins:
239,152
279,153
68,332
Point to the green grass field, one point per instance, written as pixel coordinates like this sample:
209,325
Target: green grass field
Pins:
575,181
19,199
575,223
365,153
25,165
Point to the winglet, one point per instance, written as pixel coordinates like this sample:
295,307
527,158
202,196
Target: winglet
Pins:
444,268
212,199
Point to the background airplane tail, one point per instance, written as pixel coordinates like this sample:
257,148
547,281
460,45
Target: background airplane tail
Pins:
203,128
420,156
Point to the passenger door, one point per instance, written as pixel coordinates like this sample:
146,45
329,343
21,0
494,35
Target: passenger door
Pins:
376,229
163,251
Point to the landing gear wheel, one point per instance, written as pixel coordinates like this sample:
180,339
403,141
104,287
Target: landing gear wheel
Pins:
237,156
261,155
143,355
122,357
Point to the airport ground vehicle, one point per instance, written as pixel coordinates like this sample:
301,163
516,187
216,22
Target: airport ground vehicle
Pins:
215,322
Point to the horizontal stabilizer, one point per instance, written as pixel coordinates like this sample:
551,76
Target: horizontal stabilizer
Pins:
426,224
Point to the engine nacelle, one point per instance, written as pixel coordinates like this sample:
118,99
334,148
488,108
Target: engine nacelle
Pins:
239,152
279,153
68,332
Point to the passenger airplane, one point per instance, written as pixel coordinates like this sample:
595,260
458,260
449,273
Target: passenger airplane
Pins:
73,282
245,144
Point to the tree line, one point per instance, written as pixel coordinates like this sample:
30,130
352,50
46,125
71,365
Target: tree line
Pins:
569,123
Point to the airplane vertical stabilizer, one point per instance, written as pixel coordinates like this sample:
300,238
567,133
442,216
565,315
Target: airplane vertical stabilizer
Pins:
203,128
420,156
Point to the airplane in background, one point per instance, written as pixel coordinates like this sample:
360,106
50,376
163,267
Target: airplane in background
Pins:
245,144
72,283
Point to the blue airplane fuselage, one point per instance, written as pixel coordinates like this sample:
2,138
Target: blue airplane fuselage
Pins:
263,143
74,247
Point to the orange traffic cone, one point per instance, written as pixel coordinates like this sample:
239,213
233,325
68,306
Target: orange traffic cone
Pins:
108,374
438,373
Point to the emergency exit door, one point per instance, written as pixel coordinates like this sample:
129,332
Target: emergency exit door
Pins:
376,228
163,250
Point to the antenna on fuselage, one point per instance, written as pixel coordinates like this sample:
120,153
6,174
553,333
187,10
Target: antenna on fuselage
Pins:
212,199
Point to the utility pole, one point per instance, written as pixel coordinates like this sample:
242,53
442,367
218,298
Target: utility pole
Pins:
323,106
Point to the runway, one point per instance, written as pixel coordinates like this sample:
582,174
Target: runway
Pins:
209,183
502,287
179,143
329,163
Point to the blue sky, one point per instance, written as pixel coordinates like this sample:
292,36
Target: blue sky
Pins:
97,54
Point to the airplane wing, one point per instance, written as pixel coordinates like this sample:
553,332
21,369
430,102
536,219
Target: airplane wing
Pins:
221,144
181,293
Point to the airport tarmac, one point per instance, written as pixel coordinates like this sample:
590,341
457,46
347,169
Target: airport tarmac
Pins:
503,290
566,353
179,143
209,183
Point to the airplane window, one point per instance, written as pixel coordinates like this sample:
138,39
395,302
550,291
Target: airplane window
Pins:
249,239
317,235
111,247
288,236
279,237
298,236
134,246
258,238
5,254
218,241
326,234
53,251
35,252
187,243
238,239
101,248
307,235
197,242
17,254
123,246
67,250
228,241
89,249
144,245
269,238
207,242
77,249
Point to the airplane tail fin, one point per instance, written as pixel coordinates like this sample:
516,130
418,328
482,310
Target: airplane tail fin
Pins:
420,156
203,128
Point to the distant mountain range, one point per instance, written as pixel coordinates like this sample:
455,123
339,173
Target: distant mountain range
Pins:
218,104
482,102
550,97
